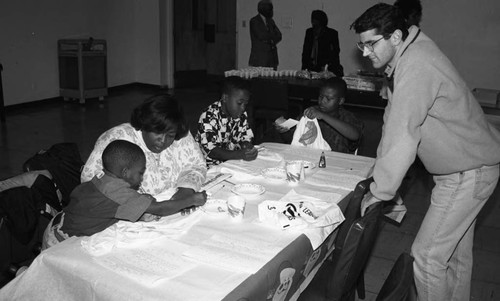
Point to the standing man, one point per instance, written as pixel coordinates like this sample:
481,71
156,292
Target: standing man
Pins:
430,113
264,35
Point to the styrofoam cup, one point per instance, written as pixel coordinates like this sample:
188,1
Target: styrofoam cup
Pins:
236,207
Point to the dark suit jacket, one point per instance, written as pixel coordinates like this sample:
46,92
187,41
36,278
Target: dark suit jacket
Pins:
328,51
264,52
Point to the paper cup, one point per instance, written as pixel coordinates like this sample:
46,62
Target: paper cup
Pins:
236,207
294,172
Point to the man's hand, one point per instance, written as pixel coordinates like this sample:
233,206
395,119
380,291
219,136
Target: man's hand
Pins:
313,112
367,201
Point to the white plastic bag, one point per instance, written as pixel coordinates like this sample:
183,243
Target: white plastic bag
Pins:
309,134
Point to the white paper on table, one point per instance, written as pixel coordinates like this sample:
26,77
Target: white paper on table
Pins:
266,154
241,170
233,252
336,180
126,234
147,265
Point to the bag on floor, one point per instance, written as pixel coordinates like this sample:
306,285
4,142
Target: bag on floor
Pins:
64,163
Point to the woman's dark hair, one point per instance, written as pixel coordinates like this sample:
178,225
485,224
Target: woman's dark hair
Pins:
155,114
233,83
382,17
337,84
320,16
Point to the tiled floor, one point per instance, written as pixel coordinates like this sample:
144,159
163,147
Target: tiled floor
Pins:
30,128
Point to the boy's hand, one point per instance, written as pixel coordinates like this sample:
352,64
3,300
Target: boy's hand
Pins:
246,145
147,217
182,192
280,129
199,198
313,112
248,154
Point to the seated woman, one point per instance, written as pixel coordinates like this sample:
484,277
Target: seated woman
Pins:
223,129
339,127
173,158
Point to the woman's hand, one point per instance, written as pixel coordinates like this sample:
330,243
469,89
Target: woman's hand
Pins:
313,112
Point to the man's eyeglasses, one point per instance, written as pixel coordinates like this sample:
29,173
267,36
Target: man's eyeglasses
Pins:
368,45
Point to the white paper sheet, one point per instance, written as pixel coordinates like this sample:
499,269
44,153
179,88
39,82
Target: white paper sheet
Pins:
338,180
233,252
146,265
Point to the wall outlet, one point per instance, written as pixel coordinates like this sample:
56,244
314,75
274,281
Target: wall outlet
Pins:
287,22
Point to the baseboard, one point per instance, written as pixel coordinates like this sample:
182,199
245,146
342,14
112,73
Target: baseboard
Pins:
56,100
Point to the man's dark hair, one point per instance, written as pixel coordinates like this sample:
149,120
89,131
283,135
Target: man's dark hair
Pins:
233,83
264,6
337,84
119,154
156,113
412,11
320,16
382,17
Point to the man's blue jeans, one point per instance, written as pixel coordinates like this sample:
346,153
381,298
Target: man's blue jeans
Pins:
443,245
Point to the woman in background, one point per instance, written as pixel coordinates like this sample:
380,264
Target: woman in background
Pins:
321,46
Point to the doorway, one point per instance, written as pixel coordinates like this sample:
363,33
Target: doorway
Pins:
204,40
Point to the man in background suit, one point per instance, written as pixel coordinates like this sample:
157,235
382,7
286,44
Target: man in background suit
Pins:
264,35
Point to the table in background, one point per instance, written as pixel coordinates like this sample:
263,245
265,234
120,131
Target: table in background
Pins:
308,90
66,271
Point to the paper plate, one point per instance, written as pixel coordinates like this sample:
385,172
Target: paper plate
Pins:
215,207
274,174
248,190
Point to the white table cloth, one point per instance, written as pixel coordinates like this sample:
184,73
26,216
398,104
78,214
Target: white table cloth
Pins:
212,258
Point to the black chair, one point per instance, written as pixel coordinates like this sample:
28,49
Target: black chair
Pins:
399,285
269,100
339,278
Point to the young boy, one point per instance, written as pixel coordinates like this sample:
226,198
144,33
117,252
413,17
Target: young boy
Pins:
340,129
103,201
223,129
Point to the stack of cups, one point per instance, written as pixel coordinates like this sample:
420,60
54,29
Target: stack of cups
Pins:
294,172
